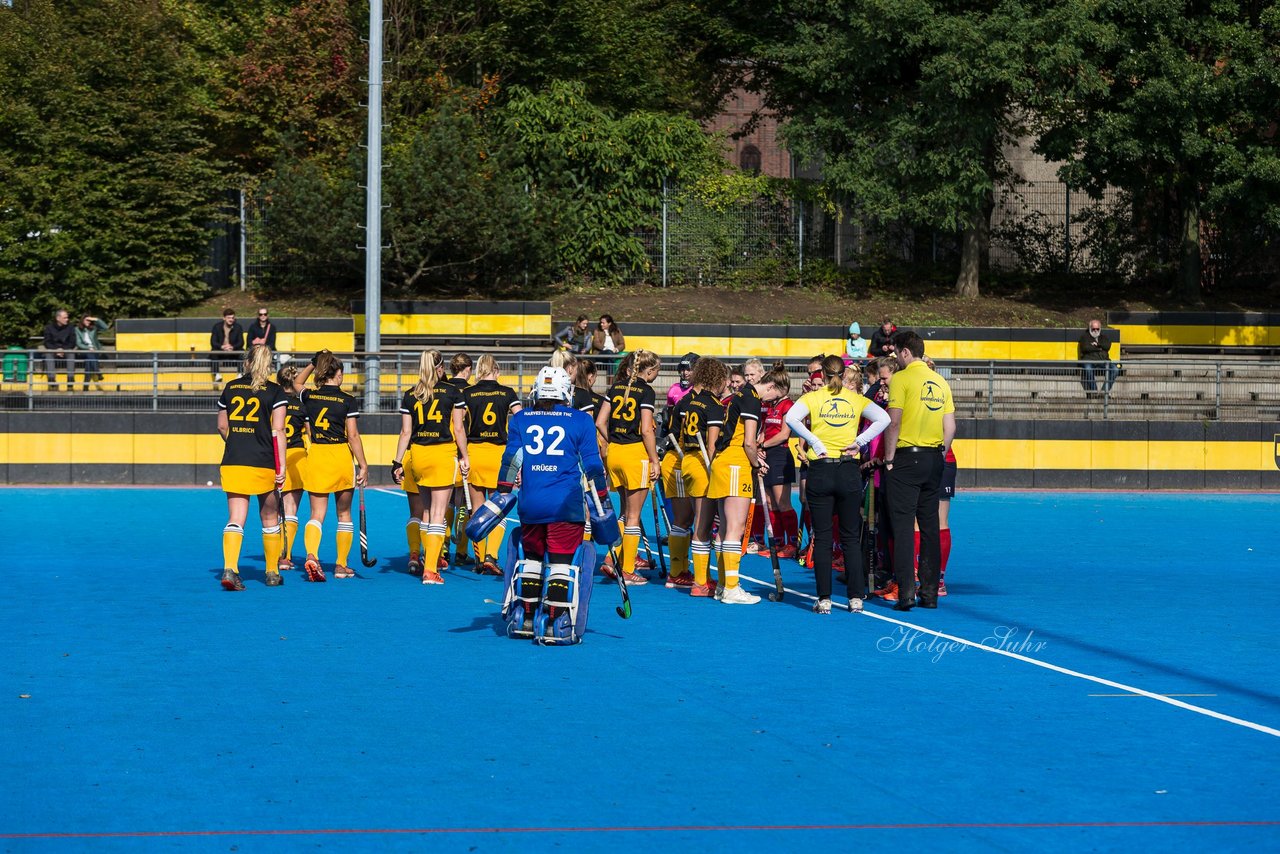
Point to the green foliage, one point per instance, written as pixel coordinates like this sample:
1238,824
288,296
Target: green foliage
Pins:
1168,101
107,189
598,177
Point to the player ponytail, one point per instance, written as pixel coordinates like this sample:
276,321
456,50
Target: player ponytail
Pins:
428,375
640,362
833,373
459,363
258,366
563,359
286,377
328,366
486,368
779,377
585,374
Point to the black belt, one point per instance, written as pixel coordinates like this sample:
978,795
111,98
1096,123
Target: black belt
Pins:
841,459
919,449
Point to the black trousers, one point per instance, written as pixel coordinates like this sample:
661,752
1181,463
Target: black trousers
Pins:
912,489
836,488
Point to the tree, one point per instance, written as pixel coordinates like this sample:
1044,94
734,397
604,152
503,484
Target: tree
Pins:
1176,98
108,189
907,105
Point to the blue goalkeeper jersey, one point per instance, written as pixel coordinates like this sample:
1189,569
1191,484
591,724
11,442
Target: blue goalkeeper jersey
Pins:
553,449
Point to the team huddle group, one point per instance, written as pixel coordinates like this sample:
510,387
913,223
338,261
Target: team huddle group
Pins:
719,460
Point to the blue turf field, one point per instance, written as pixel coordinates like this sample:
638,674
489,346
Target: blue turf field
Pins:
378,714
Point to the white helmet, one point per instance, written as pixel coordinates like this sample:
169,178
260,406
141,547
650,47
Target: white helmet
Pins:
553,384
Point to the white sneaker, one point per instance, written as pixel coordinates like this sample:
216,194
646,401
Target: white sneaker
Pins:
822,606
738,596
855,606
753,548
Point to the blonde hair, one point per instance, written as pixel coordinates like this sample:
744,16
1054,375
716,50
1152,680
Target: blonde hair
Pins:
641,361
257,364
428,375
852,379
563,359
487,366
328,366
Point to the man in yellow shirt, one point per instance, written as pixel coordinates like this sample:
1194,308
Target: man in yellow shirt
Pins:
922,423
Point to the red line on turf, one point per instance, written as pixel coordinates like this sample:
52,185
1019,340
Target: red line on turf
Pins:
647,829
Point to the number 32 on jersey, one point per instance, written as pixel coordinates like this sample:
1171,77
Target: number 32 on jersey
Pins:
553,436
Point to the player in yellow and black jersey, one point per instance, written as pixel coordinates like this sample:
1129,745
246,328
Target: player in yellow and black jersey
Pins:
489,406
628,422
292,379
693,418
251,419
733,476
433,423
461,369
335,442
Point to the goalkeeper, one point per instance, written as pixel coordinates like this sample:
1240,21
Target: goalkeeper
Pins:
551,446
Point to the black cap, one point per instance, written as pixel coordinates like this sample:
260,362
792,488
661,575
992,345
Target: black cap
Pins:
687,362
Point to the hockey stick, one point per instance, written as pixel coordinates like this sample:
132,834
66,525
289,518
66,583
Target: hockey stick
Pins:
275,451
624,610
364,534
654,496
777,594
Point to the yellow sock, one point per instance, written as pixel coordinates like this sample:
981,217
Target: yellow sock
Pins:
433,537
272,546
493,542
290,535
630,548
311,535
678,542
730,557
701,561
232,538
413,532
346,533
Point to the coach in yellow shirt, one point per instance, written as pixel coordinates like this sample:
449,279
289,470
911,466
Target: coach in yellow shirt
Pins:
922,423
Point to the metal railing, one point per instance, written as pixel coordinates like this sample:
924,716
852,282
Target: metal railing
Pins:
1143,389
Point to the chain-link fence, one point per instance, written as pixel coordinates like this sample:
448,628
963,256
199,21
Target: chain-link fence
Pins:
1141,389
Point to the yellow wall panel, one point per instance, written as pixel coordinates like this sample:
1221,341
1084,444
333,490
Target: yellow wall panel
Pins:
981,349
1241,336
143,342
940,349
711,345
1027,351
1173,334
999,454
804,348
1175,456
764,348
1063,453
538,324
1220,456
657,343
90,448
175,448
1138,333
495,324
39,448
1119,454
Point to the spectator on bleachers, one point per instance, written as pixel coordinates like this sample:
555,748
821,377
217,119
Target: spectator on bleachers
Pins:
576,337
264,331
855,346
607,342
59,337
87,349
882,339
1094,351
226,344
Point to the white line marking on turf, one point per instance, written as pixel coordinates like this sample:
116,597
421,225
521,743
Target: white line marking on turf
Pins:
1162,695
1163,698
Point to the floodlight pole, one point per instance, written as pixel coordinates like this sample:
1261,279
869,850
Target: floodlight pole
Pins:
373,215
